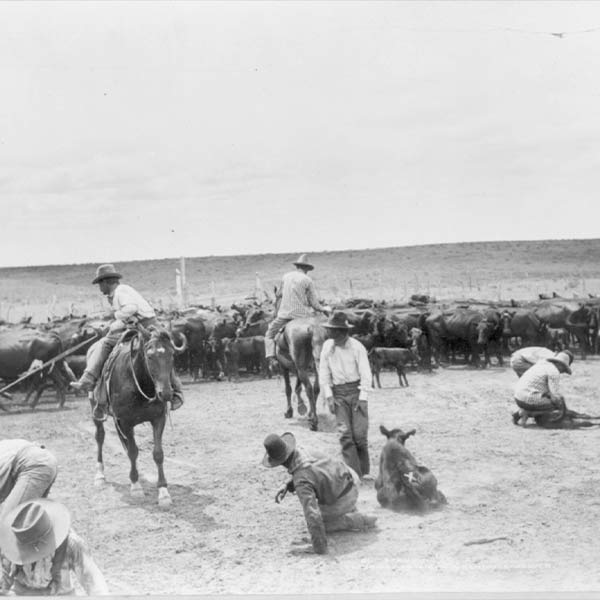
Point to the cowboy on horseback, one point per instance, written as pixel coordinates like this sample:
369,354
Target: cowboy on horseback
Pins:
298,300
129,307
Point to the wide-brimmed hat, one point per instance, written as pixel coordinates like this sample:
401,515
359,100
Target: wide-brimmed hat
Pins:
279,448
562,358
303,262
337,320
33,530
106,271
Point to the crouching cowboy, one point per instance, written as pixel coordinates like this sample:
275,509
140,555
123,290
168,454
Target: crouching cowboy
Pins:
537,391
128,306
327,489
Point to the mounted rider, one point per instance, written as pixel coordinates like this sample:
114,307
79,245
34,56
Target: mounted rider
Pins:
298,300
129,307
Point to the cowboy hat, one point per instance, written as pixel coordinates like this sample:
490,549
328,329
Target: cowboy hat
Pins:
33,530
337,321
303,262
106,271
562,358
278,448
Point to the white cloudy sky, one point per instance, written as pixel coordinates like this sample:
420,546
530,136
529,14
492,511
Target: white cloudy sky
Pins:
149,130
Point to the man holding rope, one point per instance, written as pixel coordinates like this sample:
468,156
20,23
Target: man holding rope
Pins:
129,307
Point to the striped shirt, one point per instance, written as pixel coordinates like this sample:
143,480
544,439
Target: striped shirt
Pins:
298,296
344,364
34,579
127,302
539,382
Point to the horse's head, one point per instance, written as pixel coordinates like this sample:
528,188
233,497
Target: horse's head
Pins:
159,350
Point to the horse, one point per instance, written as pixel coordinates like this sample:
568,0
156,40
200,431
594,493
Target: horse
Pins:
298,349
137,381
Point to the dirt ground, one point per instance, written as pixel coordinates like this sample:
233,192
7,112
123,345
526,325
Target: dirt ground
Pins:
224,533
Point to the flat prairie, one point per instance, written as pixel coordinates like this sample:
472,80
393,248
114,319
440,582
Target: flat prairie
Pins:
484,271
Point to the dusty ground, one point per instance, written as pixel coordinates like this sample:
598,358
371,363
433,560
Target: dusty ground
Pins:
225,534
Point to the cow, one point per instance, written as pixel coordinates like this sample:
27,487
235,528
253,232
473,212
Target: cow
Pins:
489,333
402,483
398,358
521,324
458,328
20,347
194,329
249,351
574,316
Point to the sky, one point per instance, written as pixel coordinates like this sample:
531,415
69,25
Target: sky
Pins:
134,130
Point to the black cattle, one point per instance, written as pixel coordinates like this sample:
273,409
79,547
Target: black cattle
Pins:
397,358
402,483
522,326
246,351
489,335
20,347
455,329
194,329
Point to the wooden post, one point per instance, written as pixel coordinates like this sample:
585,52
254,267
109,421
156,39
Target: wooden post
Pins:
258,288
179,289
213,301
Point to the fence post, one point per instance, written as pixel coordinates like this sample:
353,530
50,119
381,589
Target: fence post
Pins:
184,299
213,301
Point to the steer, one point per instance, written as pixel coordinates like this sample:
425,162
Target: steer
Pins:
247,350
390,357
402,483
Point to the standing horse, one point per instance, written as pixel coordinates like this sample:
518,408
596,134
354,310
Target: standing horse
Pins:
137,380
298,348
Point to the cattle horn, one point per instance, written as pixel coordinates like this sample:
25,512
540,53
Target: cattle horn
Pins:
184,343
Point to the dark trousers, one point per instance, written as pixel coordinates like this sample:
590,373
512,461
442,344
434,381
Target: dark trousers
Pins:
352,418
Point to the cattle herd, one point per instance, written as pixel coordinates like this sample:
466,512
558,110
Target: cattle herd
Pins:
224,343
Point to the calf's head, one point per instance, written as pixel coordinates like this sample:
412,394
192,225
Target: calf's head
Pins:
397,434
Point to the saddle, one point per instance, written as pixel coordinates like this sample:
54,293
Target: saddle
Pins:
101,395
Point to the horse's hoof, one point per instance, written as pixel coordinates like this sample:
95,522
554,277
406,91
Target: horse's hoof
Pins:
137,490
289,413
99,480
164,498
301,408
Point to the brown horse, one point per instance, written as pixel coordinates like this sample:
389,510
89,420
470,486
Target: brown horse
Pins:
137,381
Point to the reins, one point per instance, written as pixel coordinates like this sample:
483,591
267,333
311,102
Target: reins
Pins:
135,379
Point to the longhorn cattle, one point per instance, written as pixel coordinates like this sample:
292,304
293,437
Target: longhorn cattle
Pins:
20,347
402,483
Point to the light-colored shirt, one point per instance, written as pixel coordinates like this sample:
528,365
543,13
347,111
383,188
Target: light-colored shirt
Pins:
541,379
34,579
532,354
298,296
9,450
127,302
344,364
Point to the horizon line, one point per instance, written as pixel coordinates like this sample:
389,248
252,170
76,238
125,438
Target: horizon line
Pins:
284,253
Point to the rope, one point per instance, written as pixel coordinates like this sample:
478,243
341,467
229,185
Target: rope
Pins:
137,383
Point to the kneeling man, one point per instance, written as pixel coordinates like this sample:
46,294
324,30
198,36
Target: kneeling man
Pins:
537,390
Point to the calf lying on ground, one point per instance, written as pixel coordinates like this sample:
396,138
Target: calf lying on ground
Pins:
402,483
390,357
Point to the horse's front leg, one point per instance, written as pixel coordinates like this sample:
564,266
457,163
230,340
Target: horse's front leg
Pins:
128,439
99,478
158,426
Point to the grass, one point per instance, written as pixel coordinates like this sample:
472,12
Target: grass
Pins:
483,270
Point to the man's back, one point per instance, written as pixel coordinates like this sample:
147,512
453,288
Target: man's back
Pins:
542,378
297,295
533,354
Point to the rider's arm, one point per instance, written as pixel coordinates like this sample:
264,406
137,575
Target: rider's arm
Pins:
364,370
311,297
